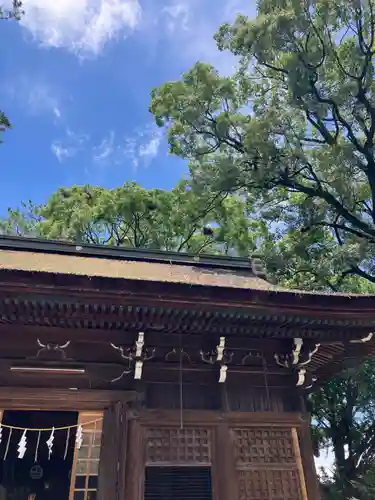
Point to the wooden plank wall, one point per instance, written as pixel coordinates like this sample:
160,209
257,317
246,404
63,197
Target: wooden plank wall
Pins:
252,455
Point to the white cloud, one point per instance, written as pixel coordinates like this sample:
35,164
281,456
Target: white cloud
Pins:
192,24
81,26
35,96
106,149
69,146
150,147
176,16
141,147
41,98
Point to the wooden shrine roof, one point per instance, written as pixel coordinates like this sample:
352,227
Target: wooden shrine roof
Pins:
102,295
92,266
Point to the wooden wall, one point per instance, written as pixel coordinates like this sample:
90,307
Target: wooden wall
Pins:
252,455
238,395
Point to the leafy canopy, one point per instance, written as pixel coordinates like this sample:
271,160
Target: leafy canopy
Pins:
133,216
14,12
293,129
343,413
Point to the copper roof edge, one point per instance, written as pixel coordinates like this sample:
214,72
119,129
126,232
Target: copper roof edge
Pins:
19,243
255,275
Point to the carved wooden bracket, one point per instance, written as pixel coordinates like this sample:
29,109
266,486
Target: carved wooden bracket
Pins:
49,349
300,354
135,357
219,356
364,340
176,354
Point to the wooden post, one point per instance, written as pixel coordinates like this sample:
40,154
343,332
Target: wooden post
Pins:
307,458
113,453
135,464
224,467
297,454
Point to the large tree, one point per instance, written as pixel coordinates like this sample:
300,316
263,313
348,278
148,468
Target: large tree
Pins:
343,413
14,12
293,128
132,216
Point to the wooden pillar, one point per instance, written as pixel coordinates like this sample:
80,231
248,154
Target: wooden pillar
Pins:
307,458
298,459
113,453
135,464
224,468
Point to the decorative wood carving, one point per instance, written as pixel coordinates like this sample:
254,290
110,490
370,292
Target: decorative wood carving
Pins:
134,357
296,359
221,356
50,350
178,446
362,340
177,354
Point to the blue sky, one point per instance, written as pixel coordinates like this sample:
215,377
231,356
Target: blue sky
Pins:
75,82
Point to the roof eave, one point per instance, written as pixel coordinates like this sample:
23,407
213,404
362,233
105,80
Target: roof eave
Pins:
15,243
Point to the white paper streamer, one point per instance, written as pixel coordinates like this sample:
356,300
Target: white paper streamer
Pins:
79,437
22,445
50,443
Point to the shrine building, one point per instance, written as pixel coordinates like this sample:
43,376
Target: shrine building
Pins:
150,375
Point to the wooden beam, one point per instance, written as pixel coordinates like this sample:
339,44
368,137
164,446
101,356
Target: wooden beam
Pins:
203,417
61,399
167,330
330,309
126,337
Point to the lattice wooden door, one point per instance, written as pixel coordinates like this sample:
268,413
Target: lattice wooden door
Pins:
268,464
175,446
178,463
85,471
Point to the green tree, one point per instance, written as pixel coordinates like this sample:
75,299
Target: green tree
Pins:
293,129
343,413
132,216
14,12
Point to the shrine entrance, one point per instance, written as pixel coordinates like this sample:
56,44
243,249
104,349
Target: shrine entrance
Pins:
49,455
32,463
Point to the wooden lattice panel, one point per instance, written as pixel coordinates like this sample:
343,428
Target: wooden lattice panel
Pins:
178,446
84,481
252,485
269,485
263,446
284,484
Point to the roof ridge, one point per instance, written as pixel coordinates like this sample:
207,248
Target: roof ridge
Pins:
19,243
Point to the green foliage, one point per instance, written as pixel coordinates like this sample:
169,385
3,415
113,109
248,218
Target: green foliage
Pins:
343,413
14,13
293,129
132,216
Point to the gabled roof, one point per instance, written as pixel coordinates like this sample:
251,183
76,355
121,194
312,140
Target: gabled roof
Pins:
37,256
97,289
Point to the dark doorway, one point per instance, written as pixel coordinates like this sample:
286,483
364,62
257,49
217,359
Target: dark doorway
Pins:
47,477
178,483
